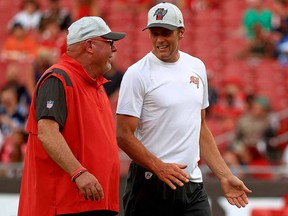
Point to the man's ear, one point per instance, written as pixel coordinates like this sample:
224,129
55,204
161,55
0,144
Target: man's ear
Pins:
89,46
181,33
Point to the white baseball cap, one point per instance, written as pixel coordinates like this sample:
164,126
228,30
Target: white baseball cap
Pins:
90,27
165,15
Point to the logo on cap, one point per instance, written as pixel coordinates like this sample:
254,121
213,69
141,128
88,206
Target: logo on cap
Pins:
160,13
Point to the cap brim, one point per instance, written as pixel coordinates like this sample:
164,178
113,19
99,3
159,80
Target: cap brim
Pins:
161,25
114,36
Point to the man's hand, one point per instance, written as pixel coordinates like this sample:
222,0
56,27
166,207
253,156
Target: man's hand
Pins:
235,191
172,174
89,187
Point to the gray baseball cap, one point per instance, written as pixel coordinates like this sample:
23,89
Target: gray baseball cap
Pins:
90,27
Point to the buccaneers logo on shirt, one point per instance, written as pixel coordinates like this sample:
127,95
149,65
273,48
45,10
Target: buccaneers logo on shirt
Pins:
194,80
160,13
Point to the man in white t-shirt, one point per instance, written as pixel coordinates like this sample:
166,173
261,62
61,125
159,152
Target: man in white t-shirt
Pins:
161,126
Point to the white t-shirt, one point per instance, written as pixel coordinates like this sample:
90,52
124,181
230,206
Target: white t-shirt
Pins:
168,99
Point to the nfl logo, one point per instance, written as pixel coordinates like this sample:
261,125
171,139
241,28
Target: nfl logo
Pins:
50,104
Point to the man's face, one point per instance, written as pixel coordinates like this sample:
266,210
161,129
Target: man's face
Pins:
165,43
103,50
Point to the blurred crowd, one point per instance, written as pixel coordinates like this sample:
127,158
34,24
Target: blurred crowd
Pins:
37,37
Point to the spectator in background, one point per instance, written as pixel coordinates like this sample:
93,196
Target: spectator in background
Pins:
279,13
256,127
14,147
12,120
12,115
19,45
257,24
35,71
55,11
14,70
247,161
29,15
18,142
51,45
231,103
254,161
282,44
51,39
257,13
249,101
234,96
260,46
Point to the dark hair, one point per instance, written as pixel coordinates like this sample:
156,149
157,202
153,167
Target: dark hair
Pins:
15,25
30,1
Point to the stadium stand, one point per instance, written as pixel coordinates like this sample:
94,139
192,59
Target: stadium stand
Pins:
211,35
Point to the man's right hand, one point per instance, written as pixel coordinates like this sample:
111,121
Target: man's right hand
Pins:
90,187
172,174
